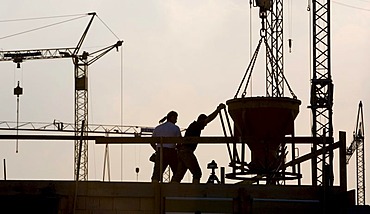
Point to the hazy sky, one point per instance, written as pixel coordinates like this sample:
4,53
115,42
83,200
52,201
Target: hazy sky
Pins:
182,55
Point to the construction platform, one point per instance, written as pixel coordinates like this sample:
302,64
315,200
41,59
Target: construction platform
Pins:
246,196
85,197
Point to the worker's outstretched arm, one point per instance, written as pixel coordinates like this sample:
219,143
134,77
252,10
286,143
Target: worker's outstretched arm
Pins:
213,115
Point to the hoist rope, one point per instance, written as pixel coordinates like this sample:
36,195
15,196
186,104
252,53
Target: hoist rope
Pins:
310,49
250,38
121,107
16,143
18,105
290,18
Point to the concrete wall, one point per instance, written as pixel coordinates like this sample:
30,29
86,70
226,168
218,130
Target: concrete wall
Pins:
58,197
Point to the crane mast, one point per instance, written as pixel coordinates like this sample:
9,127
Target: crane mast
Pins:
321,102
358,145
275,63
81,65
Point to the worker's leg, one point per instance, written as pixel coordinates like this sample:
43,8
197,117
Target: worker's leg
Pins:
192,164
157,164
156,168
172,159
181,169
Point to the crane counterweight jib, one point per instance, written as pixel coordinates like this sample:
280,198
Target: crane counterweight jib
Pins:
18,56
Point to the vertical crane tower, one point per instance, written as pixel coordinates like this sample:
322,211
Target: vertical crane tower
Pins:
322,87
81,64
358,146
321,102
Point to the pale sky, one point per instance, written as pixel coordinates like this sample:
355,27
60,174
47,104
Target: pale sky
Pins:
186,56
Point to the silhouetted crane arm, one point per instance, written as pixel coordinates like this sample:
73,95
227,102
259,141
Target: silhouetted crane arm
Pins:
358,134
19,56
93,14
100,53
350,150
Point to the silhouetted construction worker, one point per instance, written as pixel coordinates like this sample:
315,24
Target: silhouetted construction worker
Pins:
187,159
167,129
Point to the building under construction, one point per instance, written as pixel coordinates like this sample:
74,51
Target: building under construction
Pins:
259,133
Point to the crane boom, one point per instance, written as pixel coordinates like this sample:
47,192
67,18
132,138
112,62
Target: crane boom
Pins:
59,126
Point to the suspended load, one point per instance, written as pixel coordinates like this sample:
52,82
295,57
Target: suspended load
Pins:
262,122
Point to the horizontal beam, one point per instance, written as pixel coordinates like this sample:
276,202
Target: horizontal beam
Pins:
45,137
119,140
308,140
145,140
20,55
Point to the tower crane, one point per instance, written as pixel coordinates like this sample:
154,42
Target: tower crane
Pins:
81,63
358,145
322,88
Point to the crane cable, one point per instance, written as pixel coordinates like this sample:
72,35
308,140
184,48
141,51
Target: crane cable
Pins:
290,24
38,18
249,70
121,108
350,6
50,25
39,28
108,27
310,50
250,40
17,91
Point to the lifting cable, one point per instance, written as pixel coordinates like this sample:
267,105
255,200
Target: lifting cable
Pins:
106,160
249,70
17,91
251,66
310,38
250,38
121,109
290,24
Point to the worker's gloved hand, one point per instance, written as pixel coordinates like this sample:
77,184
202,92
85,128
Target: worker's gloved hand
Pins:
221,106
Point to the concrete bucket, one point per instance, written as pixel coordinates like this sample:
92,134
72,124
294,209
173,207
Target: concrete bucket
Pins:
263,122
